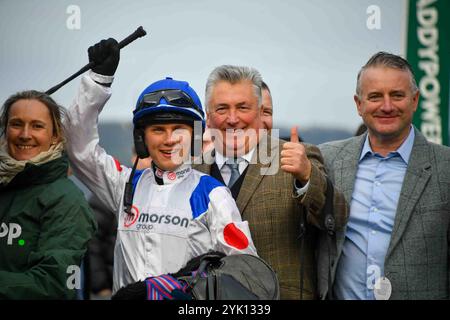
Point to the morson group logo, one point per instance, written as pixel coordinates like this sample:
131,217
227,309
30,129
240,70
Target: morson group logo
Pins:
171,176
148,221
131,218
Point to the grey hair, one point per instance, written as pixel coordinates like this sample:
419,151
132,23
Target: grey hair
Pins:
388,60
233,75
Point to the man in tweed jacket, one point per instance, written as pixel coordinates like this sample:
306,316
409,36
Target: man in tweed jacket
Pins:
265,193
396,243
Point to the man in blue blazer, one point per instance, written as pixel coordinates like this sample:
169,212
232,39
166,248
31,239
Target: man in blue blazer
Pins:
397,184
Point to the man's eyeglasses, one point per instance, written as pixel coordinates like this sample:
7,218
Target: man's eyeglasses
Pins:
173,97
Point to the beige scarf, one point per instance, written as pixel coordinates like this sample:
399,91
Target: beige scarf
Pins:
10,167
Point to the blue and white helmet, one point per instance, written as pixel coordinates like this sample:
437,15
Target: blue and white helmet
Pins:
168,101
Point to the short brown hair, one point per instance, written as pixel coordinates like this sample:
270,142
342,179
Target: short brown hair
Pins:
389,60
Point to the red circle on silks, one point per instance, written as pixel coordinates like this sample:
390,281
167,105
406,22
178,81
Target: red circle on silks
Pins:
235,237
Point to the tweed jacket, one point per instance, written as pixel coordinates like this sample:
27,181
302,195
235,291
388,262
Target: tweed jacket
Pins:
266,201
417,260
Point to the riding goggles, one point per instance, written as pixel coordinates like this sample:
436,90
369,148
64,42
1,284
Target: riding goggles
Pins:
174,97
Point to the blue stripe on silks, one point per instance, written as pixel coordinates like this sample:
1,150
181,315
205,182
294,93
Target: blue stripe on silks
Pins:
200,197
136,177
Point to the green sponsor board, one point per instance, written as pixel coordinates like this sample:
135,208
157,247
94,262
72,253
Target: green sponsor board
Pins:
428,51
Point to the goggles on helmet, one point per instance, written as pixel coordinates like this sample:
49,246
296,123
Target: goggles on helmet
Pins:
173,97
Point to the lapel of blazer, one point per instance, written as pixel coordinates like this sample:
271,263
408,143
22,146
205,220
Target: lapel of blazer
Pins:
262,163
345,168
417,175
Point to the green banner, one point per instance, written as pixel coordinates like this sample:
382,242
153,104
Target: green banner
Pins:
428,52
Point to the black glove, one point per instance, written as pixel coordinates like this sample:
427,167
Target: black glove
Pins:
134,291
106,56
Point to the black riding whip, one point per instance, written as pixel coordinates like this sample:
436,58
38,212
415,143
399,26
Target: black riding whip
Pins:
140,32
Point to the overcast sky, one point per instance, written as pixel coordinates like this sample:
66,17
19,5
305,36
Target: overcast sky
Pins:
308,51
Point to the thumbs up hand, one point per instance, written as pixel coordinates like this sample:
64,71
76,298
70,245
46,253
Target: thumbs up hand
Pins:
294,160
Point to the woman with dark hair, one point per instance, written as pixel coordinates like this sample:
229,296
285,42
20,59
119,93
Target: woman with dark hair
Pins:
45,222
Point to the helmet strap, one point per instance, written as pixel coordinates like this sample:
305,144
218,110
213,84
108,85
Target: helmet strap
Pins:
129,192
139,143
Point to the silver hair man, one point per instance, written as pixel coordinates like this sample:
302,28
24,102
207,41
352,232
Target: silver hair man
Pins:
233,75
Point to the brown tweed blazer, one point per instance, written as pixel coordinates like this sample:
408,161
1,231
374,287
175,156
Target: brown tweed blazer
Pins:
266,201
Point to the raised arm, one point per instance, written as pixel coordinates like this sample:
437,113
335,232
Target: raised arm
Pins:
100,172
